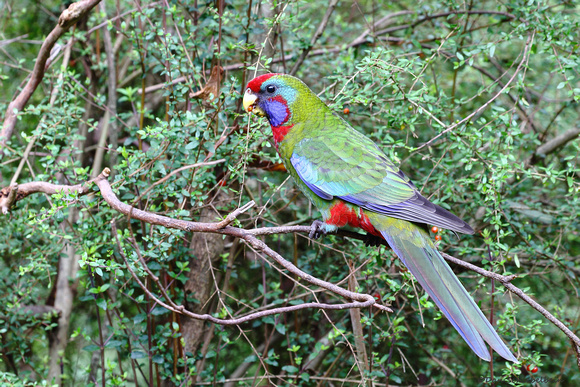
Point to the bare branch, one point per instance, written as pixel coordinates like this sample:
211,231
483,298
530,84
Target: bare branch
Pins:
506,281
69,17
13,193
315,37
557,142
8,197
501,278
232,216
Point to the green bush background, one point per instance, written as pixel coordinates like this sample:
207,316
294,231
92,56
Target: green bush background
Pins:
430,65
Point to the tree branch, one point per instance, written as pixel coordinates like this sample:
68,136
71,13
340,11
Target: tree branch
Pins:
315,37
506,281
68,17
249,236
13,193
557,142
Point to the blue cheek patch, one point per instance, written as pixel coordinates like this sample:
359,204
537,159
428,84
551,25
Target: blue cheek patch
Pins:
276,111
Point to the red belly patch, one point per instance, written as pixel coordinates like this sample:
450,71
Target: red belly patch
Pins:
342,214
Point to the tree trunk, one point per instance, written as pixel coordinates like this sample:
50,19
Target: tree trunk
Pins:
206,249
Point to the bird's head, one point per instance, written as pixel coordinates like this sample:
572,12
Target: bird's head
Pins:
273,96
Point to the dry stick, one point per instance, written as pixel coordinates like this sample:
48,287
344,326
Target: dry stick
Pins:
315,37
11,194
69,17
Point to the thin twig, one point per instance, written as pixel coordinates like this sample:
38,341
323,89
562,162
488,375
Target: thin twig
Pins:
487,103
315,37
180,169
68,17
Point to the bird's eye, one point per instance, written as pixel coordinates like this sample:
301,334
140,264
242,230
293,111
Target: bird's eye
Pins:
270,88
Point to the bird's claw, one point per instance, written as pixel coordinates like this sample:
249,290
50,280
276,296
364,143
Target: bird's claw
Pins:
372,240
316,230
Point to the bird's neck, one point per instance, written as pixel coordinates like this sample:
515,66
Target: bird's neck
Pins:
279,133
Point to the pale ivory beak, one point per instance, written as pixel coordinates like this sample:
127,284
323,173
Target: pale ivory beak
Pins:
250,103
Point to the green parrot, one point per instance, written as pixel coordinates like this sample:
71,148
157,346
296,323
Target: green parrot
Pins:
352,182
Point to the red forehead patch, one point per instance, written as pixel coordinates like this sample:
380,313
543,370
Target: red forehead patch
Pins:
256,83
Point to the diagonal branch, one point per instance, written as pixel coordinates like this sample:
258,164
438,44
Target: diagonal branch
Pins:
506,281
69,17
15,192
485,105
315,37
557,142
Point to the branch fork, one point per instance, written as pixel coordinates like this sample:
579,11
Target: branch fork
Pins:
9,195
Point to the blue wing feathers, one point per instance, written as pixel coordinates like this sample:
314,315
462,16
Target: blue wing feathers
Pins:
368,180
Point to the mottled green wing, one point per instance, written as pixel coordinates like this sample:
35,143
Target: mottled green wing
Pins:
348,165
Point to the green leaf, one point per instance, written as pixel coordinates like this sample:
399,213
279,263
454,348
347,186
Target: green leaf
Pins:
91,348
138,354
290,369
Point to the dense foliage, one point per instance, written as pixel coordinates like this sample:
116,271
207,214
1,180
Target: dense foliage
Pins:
472,99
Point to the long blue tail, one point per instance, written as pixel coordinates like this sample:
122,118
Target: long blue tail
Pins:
417,252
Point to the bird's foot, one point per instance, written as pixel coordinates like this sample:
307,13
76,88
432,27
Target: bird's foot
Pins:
372,240
316,230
